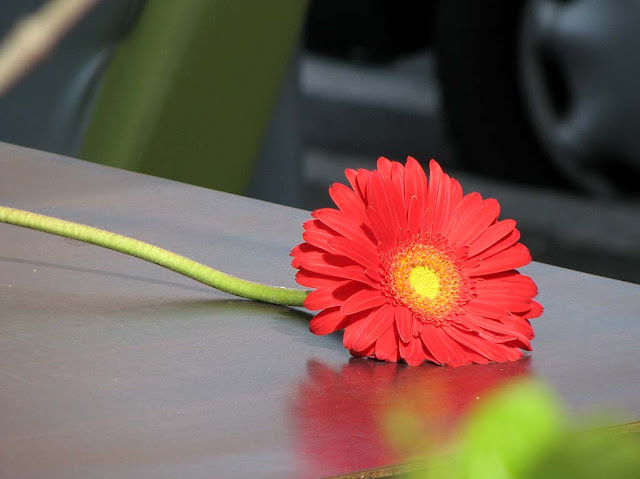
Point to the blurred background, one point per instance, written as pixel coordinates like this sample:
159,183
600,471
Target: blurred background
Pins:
533,102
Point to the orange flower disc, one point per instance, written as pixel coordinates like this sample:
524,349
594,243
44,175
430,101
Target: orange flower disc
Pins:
428,281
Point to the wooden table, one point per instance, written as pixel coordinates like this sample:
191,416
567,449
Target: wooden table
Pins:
112,367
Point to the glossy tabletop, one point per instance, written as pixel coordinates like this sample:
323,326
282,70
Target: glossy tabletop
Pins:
113,367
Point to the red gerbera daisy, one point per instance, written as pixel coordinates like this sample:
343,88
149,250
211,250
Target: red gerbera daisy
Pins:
412,269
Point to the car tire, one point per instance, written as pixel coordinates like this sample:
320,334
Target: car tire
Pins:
477,51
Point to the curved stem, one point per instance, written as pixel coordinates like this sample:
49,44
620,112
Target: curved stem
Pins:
148,252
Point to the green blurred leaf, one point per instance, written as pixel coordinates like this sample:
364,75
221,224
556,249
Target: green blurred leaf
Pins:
505,435
521,433
596,454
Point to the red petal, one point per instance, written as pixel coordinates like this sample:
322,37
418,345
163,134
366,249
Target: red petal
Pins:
512,302
305,251
317,225
471,340
522,327
535,311
455,193
495,337
397,177
443,347
415,185
404,323
501,245
393,179
415,179
365,353
486,309
319,239
296,250
327,321
515,284
363,253
443,197
372,327
434,344
439,346
374,274
380,229
301,250
417,327
354,272
469,203
363,182
350,332
498,331
513,257
382,201
475,222
383,165
347,201
492,351
363,300
415,215
352,178
348,227
330,296
440,201
412,352
461,354
357,274
491,235
318,234
357,179
322,262
314,280
387,345
453,199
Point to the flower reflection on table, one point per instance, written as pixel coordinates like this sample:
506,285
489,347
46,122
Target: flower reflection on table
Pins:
344,418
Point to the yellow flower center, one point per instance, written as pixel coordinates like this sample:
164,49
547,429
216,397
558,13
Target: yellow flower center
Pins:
426,278
425,281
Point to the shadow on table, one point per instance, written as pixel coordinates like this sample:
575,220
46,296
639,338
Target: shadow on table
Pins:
110,274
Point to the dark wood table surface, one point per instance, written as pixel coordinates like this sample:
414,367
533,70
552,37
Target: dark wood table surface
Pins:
113,367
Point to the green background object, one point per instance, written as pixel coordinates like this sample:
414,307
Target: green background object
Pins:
189,93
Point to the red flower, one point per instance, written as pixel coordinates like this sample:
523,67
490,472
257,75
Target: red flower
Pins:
412,269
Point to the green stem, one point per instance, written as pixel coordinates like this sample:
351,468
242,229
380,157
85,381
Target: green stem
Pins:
148,252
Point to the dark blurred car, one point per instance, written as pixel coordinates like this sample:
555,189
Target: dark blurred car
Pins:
536,91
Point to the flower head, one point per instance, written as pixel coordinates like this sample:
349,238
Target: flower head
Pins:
413,269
